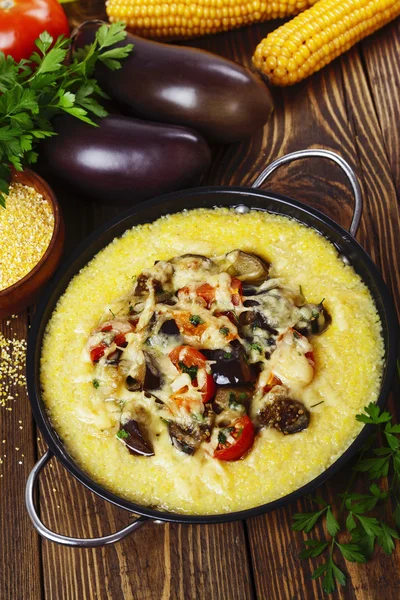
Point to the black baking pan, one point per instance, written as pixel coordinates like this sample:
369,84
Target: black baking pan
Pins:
242,199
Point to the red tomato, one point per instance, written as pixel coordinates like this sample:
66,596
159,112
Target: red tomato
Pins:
204,291
207,292
97,352
237,291
22,21
309,355
272,381
311,359
185,326
190,357
120,340
227,313
243,434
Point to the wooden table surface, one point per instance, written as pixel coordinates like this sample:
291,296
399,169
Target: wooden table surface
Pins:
351,107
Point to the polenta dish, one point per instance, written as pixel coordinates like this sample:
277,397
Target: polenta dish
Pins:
211,361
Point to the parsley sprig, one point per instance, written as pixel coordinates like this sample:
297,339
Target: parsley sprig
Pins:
353,525
34,91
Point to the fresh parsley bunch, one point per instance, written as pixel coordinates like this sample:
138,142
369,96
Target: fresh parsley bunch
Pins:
34,91
352,519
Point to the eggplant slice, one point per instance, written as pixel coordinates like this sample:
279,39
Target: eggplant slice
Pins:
286,415
247,266
254,319
188,438
230,366
319,322
227,397
133,439
194,262
169,328
153,378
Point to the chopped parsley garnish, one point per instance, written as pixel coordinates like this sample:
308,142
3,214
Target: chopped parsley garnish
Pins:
198,417
315,314
233,403
122,434
221,438
196,320
131,309
191,371
96,383
243,396
148,341
112,312
296,335
227,355
224,331
256,347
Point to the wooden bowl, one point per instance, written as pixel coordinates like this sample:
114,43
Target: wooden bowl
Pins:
25,291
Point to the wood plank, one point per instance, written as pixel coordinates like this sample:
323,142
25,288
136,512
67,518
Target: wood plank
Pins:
380,56
19,548
158,561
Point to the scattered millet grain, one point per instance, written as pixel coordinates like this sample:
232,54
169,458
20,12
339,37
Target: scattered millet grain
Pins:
12,368
26,227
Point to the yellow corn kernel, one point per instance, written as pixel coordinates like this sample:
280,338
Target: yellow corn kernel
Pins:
203,16
318,35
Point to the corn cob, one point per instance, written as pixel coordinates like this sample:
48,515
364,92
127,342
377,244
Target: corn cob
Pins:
171,19
318,35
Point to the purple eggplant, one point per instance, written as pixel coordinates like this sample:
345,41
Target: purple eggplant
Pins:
131,435
125,159
185,86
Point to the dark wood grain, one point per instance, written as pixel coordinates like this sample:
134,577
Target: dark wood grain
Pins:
165,561
380,56
351,107
20,573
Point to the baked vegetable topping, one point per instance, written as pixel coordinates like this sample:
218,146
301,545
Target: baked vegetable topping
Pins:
211,350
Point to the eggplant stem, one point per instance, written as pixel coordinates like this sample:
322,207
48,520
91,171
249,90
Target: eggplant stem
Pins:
77,30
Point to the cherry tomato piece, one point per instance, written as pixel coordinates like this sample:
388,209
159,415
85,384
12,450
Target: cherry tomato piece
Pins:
120,340
208,389
207,292
242,430
309,355
236,291
229,314
97,352
188,325
272,381
190,357
311,359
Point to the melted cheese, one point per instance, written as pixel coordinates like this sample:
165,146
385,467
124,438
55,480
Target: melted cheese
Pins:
289,361
346,378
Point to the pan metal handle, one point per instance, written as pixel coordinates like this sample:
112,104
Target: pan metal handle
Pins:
321,153
62,539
